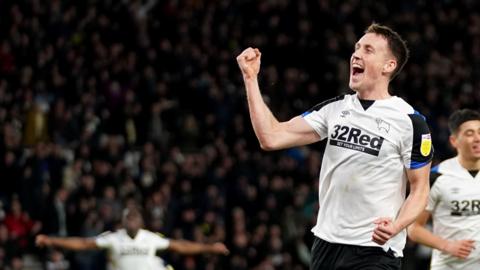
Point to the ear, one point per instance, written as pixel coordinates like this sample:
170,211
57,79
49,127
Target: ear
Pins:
390,66
453,141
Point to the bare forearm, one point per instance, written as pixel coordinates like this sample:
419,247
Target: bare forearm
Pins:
190,248
263,121
412,207
72,243
423,236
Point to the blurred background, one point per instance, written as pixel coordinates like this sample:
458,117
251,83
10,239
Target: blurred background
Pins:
109,103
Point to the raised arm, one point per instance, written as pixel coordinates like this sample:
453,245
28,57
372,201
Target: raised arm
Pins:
271,133
192,248
411,208
72,243
418,233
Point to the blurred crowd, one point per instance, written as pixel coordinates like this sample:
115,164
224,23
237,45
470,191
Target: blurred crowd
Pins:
109,103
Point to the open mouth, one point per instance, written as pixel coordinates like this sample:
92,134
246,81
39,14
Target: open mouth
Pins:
476,148
357,71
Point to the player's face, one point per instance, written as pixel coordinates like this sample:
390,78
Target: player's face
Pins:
133,223
371,61
467,140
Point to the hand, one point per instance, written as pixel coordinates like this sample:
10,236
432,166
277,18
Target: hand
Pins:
249,62
459,248
384,230
42,241
219,248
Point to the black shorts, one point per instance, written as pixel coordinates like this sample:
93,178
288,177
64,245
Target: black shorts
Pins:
331,256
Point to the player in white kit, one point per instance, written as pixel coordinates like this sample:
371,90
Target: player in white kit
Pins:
375,144
132,247
454,201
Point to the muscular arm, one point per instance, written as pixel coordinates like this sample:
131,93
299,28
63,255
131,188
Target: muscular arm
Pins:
271,133
417,199
411,208
72,243
192,248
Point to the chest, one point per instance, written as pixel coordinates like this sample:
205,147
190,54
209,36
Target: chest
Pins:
462,199
366,133
124,247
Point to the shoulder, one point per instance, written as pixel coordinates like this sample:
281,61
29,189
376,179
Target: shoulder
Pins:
328,102
434,175
439,172
151,234
413,116
402,106
106,234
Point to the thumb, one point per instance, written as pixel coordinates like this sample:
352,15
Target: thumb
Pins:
382,220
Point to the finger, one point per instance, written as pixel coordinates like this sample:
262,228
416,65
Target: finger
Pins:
381,235
463,255
385,229
465,249
382,220
470,243
250,55
245,52
378,240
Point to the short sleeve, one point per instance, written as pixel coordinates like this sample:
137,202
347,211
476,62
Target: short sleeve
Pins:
417,146
317,116
160,242
105,240
433,197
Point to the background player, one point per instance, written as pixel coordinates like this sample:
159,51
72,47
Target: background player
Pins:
132,247
454,201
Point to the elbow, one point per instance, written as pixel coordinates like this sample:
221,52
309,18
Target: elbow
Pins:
267,145
414,232
411,232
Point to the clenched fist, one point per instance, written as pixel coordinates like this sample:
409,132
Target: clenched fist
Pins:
249,62
459,248
384,230
42,241
219,248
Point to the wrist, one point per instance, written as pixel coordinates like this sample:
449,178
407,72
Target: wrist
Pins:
50,241
250,78
396,228
443,246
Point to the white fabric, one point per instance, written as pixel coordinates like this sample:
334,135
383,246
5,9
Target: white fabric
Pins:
363,175
454,203
138,253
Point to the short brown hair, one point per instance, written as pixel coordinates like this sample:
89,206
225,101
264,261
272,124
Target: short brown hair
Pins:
461,116
397,45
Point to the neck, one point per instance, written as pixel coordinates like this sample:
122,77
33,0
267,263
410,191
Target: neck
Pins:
132,234
378,91
469,164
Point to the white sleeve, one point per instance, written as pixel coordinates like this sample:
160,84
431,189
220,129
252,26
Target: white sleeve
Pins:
318,121
160,242
105,240
317,117
433,197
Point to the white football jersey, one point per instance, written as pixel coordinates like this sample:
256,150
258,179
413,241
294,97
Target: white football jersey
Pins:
138,253
363,174
454,203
